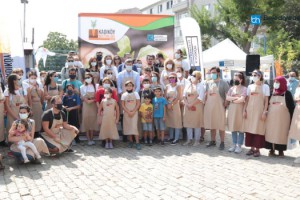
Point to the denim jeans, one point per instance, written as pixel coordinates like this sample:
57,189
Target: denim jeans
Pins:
197,132
171,133
237,137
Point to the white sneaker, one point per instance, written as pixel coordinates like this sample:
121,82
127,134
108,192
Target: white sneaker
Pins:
238,149
26,161
197,143
38,157
186,143
107,145
232,149
90,143
110,145
297,160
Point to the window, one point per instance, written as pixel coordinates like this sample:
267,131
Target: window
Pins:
151,10
169,4
159,8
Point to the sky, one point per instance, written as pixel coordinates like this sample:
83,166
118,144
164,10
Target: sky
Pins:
60,15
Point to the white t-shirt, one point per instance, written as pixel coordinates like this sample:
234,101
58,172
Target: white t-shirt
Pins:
200,90
265,88
87,88
137,96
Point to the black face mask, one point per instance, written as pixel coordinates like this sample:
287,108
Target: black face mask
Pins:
72,76
236,82
99,58
59,106
70,92
129,91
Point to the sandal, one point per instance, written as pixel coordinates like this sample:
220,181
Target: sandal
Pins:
272,153
250,152
256,154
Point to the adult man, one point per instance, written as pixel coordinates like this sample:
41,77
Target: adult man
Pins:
122,66
160,60
292,82
69,65
57,133
150,63
72,80
179,62
214,110
127,75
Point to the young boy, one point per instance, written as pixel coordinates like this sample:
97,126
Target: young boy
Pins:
159,113
71,103
146,112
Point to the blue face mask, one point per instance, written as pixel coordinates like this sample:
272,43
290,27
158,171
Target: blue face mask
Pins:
214,76
292,78
55,79
154,79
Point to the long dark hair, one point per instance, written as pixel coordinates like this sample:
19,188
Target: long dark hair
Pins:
242,77
48,77
10,82
93,83
26,107
93,59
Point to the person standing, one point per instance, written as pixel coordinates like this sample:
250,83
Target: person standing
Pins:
164,76
72,80
279,116
108,64
93,69
146,113
179,62
292,83
89,108
128,75
236,96
255,113
51,88
193,119
214,110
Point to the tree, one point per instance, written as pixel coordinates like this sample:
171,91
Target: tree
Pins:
58,43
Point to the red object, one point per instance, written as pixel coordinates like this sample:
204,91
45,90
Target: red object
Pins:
100,95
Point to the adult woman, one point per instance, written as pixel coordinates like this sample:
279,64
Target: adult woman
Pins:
35,100
255,113
173,115
117,61
281,108
169,68
24,114
193,119
89,108
108,73
179,62
155,81
14,97
108,65
51,88
94,70
236,96
294,132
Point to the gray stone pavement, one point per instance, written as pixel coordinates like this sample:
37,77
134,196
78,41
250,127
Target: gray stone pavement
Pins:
157,172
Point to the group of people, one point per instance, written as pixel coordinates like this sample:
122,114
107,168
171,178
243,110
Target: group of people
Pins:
44,117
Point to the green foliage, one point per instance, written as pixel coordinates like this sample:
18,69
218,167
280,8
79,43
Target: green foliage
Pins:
58,43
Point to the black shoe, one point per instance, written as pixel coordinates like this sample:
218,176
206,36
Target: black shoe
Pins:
70,151
169,140
3,144
174,142
211,143
162,143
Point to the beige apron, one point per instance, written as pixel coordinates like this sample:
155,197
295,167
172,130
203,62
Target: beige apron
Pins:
51,93
235,112
214,111
89,114
37,109
130,123
39,143
2,137
173,117
66,136
109,126
193,117
253,123
14,101
294,132
278,121
125,79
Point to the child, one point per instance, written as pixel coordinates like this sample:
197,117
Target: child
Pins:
146,112
71,103
19,129
110,118
146,91
130,104
159,114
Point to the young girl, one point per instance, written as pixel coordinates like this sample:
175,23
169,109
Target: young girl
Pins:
89,108
51,88
130,105
110,118
19,129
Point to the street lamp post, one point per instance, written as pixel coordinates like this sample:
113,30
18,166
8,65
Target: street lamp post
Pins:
24,2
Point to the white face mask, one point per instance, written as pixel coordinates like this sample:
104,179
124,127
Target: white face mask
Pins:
255,79
146,85
23,115
42,78
108,62
76,63
32,81
106,85
169,66
179,75
94,64
128,68
177,55
193,79
139,65
70,64
88,80
109,76
106,96
276,85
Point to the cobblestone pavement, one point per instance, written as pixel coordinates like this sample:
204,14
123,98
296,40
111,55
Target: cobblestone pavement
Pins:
157,172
